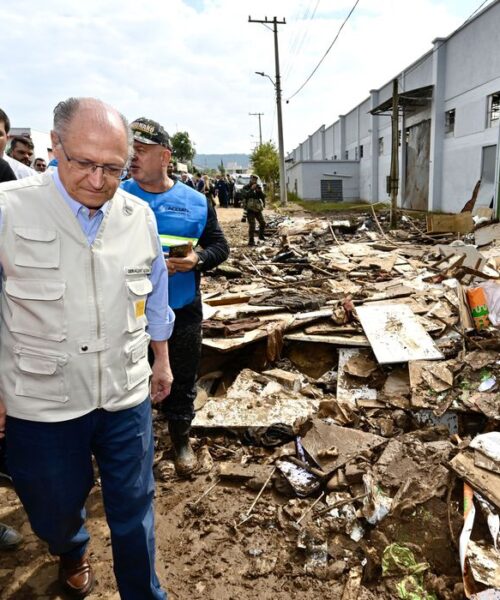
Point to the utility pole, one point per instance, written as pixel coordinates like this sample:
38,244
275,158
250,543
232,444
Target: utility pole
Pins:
277,86
394,178
260,127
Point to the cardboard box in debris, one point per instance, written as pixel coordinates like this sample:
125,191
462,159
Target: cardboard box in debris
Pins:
370,359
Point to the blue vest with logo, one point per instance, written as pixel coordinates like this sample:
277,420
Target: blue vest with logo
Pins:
181,215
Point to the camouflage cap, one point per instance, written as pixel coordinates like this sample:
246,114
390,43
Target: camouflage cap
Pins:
148,131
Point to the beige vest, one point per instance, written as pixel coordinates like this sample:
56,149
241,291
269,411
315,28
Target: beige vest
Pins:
72,331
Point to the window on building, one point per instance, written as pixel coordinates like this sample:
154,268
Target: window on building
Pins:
346,155
361,151
449,121
356,153
494,109
380,146
334,157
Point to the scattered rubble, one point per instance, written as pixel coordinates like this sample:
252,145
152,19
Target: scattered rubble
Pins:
362,343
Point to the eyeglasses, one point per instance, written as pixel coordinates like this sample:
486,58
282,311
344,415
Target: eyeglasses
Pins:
88,167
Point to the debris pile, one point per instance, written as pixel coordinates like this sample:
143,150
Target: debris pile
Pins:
347,369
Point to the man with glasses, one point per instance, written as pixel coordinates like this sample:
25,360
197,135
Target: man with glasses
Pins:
83,274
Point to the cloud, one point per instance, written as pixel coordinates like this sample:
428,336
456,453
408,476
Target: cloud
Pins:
190,64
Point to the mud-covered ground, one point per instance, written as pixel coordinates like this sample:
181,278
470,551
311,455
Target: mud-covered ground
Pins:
203,553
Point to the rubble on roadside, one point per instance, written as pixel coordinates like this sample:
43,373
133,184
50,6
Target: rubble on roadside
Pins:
344,371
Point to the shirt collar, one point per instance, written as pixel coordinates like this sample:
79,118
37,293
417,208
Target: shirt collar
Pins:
73,204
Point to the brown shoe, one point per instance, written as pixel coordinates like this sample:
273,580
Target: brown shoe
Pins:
76,576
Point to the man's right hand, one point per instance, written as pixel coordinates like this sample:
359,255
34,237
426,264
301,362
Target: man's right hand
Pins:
3,413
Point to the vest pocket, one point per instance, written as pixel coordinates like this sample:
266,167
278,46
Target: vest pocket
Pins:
137,365
138,290
40,375
36,308
37,248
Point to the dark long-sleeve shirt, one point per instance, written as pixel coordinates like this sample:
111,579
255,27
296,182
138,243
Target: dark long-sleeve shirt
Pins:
215,248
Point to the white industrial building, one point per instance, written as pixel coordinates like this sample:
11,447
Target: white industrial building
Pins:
449,108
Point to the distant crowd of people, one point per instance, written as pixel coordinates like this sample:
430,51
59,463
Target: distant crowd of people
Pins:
222,186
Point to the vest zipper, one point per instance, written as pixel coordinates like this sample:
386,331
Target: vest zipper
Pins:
98,328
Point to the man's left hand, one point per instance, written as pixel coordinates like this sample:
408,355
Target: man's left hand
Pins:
161,381
184,264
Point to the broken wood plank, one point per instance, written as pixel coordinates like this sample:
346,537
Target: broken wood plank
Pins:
473,258
338,340
461,223
484,481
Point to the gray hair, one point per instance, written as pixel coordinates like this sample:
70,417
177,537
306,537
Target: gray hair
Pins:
66,110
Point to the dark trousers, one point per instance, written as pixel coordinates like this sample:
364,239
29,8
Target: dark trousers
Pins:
253,216
184,349
51,467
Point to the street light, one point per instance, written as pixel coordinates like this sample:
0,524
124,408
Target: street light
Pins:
281,148
262,74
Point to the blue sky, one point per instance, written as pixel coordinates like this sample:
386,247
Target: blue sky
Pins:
190,64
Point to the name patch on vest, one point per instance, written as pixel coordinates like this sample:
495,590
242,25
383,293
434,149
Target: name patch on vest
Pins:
137,271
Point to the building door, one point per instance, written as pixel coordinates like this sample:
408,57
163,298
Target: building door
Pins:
487,189
331,190
418,143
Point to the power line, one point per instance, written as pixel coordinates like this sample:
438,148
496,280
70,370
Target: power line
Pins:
326,53
294,38
300,44
477,10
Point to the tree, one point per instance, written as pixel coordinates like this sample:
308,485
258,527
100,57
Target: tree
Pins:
222,168
182,147
266,164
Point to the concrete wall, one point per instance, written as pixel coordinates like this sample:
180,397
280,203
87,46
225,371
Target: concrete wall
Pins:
317,144
310,174
329,142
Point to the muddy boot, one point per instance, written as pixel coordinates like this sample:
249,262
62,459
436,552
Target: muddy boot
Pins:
185,459
251,242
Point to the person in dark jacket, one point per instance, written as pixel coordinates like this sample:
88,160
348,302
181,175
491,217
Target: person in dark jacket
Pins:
6,172
183,215
254,202
222,190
